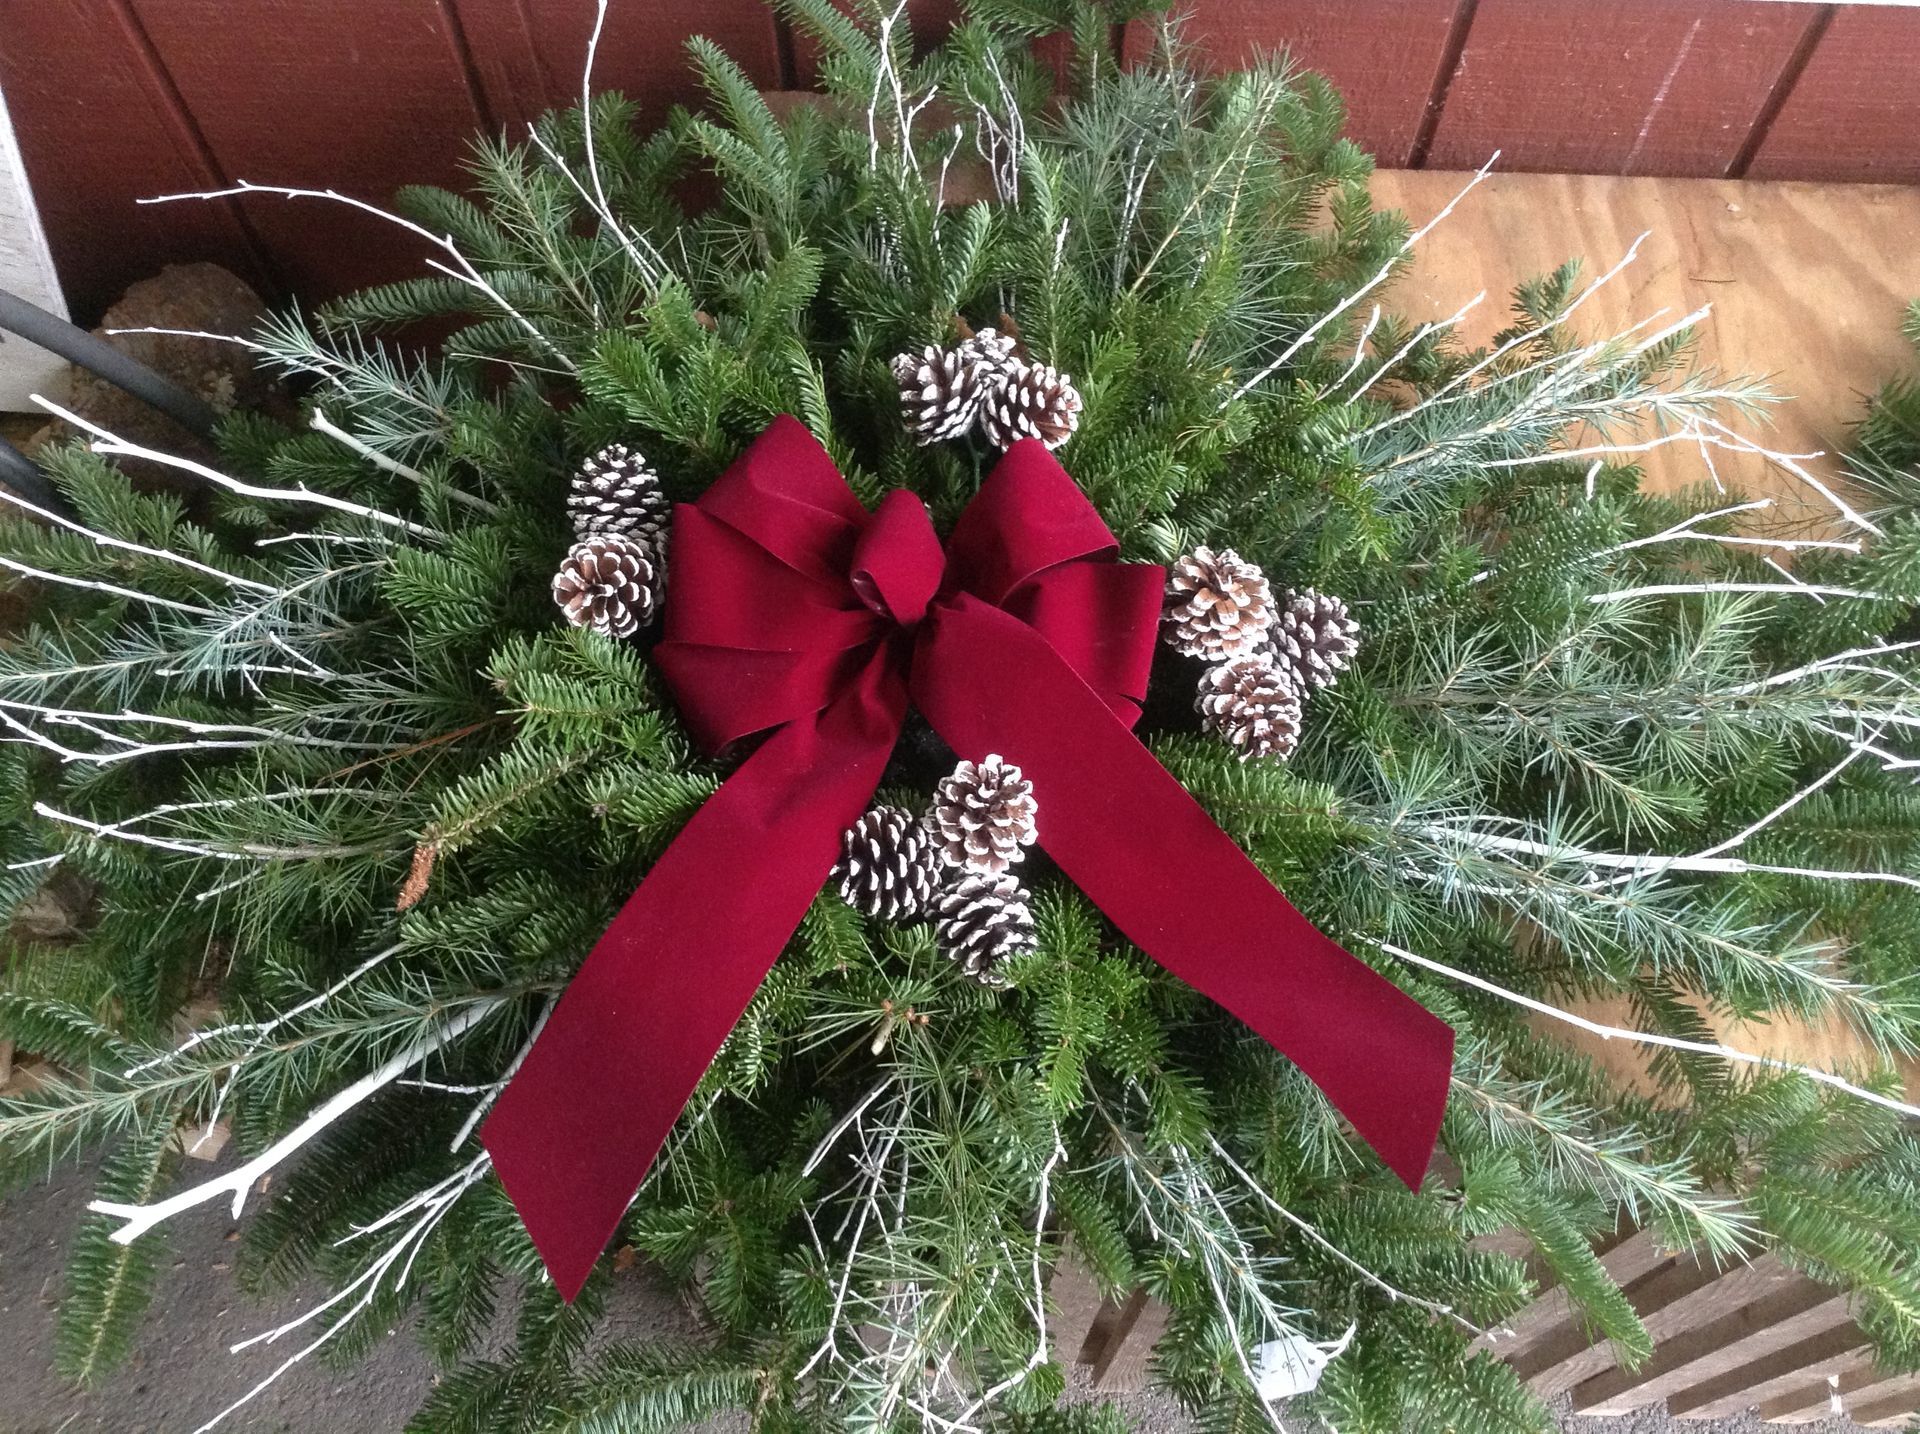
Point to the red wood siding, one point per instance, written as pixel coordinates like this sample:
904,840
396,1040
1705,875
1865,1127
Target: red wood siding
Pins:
1854,112
1648,87
114,100
1387,57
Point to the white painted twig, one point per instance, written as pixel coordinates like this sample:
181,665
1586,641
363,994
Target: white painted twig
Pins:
1649,1038
110,443
323,424
1418,334
27,570
1386,272
107,541
1683,589
239,1181
462,269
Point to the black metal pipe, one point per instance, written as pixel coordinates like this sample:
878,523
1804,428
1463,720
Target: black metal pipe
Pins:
105,361
23,475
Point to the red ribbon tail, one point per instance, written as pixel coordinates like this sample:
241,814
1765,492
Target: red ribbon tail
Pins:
1146,853
578,1127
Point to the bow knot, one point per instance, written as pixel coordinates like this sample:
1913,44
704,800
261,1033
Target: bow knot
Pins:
796,613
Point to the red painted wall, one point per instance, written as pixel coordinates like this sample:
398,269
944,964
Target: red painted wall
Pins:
114,100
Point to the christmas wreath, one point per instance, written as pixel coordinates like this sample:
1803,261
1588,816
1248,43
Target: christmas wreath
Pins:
910,617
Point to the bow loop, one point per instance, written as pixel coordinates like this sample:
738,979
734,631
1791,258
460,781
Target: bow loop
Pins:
897,561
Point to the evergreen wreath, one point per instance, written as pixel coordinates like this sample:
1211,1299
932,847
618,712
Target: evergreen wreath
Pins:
322,734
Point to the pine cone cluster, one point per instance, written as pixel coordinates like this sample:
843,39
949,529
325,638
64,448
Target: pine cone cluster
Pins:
606,583
952,866
982,921
1264,658
983,815
1218,605
888,868
1313,639
983,379
613,579
1250,703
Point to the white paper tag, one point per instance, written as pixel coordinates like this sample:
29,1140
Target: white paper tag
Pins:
1283,1368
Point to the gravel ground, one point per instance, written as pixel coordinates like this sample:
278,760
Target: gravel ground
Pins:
180,1374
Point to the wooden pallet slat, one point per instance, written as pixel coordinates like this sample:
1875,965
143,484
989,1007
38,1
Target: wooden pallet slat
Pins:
1868,1389
1625,1257
1743,1334
1836,1351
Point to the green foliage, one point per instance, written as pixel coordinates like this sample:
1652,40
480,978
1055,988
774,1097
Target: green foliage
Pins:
332,752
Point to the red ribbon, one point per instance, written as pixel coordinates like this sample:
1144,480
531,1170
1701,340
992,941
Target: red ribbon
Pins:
796,612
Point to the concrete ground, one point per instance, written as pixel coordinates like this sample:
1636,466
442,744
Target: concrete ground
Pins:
180,1374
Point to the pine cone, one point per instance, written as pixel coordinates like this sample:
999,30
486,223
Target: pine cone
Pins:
887,866
616,492
1250,704
1218,606
940,391
607,583
1030,401
1313,640
981,921
983,814
996,353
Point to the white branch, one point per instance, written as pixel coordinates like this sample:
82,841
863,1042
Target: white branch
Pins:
107,541
239,1181
112,444
322,424
1649,1038
1386,271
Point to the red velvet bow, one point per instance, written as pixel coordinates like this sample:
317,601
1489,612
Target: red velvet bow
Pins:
796,612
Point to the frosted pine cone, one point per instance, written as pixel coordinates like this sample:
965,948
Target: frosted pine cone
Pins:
1250,704
983,814
1218,606
616,492
996,353
887,866
1313,639
941,391
607,584
1030,401
982,921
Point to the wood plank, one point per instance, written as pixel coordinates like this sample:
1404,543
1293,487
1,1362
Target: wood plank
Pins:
100,126
509,62
1807,283
1743,1334
643,51
314,95
1897,1408
1855,109
1384,56
1122,1369
1836,1351
1076,1301
1626,1258
26,269
1672,1299
1868,1389
1663,86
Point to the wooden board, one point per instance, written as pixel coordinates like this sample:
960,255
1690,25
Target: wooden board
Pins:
100,124
1807,282
1387,57
394,96
26,269
1854,112
1654,87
